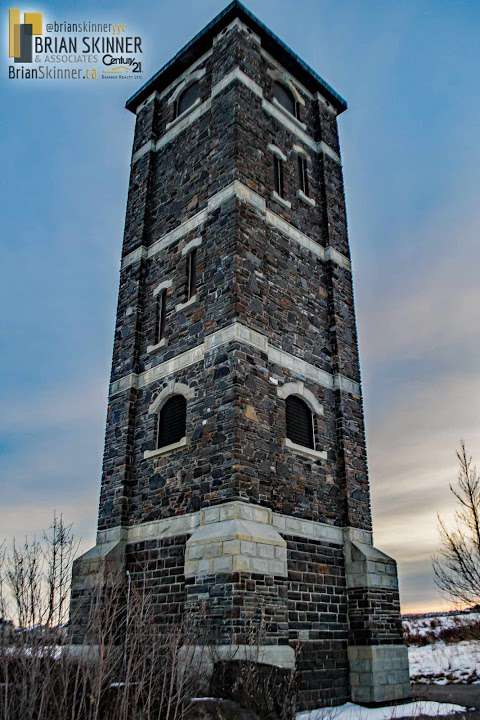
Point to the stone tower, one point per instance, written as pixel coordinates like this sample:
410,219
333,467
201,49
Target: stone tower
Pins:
235,469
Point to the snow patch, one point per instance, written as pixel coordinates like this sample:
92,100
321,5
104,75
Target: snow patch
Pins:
442,663
350,711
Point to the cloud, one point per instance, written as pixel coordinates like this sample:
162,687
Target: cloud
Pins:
24,518
51,458
420,350
59,405
412,462
428,308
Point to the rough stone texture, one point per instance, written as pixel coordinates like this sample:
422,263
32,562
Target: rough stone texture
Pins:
254,270
374,615
247,271
379,674
317,617
158,565
93,573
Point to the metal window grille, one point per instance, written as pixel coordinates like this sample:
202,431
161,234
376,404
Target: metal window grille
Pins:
172,421
299,422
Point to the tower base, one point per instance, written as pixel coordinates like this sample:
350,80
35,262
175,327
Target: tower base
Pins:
326,598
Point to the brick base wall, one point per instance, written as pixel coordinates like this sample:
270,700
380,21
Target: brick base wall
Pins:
158,566
237,603
317,618
374,615
327,605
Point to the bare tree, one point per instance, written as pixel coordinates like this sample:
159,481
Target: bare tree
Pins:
35,576
59,550
133,663
3,597
457,568
132,668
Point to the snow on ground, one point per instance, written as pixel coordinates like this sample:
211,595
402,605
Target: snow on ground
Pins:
432,625
350,711
440,652
442,663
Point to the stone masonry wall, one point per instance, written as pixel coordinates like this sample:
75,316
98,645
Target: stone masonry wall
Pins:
247,271
317,618
241,608
158,567
256,270
374,615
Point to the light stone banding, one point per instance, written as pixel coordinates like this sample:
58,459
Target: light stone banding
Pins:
272,108
243,537
237,509
242,193
236,332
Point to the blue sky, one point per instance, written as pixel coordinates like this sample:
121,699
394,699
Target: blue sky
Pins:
409,71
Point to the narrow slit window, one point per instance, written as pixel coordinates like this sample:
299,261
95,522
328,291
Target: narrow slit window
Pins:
303,175
278,175
191,273
300,427
172,421
160,316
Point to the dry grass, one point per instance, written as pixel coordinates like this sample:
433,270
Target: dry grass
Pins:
135,669
459,632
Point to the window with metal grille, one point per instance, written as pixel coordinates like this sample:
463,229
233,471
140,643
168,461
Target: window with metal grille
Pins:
278,175
299,422
172,421
303,175
191,279
160,315
188,97
286,99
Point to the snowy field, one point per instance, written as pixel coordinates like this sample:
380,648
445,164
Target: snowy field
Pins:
439,661
442,663
428,626
350,711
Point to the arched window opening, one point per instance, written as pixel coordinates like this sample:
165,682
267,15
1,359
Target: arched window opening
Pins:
299,422
285,98
172,421
188,97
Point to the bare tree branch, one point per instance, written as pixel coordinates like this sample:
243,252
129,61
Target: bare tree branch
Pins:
457,567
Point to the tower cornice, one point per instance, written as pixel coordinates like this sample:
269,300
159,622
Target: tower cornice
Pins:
270,42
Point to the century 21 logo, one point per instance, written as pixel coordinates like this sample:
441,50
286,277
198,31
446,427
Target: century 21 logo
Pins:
20,34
